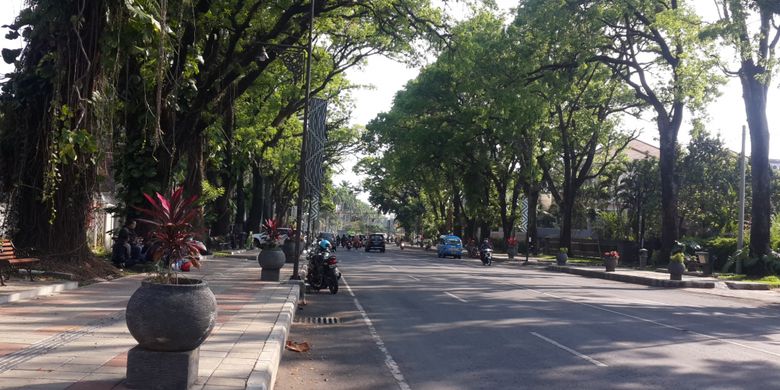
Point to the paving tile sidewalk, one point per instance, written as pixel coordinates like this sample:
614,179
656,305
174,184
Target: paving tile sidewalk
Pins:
78,339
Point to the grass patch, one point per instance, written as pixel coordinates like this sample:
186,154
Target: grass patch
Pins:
574,260
772,281
222,254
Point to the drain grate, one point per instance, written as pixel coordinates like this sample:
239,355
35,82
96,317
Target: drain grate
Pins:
317,320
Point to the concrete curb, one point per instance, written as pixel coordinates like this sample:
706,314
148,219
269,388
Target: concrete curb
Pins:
263,375
39,291
747,286
632,278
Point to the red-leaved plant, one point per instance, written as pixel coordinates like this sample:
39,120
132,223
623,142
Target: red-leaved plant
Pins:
271,237
614,254
172,238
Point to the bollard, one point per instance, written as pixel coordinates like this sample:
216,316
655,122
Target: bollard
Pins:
704,259
642,258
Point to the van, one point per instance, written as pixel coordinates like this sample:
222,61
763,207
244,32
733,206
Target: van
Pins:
450,245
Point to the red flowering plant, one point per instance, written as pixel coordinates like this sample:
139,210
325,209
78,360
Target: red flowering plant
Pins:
172,239
271,236
614,254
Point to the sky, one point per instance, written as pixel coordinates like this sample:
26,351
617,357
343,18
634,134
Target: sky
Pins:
726,113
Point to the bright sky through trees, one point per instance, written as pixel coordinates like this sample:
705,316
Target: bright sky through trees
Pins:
727,113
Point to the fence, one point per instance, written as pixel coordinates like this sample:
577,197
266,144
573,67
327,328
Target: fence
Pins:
629,250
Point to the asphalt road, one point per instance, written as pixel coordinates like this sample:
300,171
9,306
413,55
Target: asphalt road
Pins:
419,322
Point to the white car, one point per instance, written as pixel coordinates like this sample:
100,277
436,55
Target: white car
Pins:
259,238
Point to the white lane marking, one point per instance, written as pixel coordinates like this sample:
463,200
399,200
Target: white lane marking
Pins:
389,361
413,277
569,350
706,336
393,268
456,297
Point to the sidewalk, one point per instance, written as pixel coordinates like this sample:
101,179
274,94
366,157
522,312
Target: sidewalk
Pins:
78,339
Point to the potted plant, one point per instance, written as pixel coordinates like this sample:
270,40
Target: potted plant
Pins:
170,313
271,257
563,256
611,259
676,265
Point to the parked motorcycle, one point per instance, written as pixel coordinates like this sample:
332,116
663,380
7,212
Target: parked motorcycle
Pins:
323,272
486,255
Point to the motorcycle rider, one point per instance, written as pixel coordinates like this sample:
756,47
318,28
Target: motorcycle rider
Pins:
486,244
324,246
317,256
320,273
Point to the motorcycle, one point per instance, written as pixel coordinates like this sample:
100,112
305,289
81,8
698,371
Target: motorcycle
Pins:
348,244
323,272
401,245
486,255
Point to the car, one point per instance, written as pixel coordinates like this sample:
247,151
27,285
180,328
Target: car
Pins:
259,238
375,241
450,245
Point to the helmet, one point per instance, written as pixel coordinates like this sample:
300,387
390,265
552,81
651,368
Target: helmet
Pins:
324,244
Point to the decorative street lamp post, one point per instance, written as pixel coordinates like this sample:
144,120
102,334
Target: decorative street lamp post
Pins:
304,138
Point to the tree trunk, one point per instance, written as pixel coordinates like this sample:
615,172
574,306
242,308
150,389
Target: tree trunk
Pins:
669,227
754,95
54,214
484,230
255,217
567,210
240,203
533,200
222,203
457,213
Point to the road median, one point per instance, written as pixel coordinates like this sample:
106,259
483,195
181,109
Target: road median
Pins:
635,277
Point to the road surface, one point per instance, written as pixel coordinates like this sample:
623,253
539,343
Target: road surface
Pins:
409,320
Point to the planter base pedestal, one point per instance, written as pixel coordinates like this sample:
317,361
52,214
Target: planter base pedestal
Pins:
161,370
270,275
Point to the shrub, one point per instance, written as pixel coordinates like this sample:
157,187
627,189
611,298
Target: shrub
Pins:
720,249
678,257
754,266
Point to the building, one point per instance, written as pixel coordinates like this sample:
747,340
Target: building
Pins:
775,164
640,150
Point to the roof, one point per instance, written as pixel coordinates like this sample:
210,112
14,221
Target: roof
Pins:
640,150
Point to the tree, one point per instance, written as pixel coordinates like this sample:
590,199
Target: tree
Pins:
584,142
53,127
708,187
757,60
656,50
583,101
638,194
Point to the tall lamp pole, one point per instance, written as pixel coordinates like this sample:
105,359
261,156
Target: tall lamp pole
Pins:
304,142
741,225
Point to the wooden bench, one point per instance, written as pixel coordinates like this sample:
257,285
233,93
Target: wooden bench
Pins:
10,261
697,264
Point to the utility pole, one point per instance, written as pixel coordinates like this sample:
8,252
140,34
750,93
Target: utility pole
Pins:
741,225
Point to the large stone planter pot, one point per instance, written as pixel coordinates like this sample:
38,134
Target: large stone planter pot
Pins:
271,261
171,317
511,253
561,258
610,262
676,270
289,251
